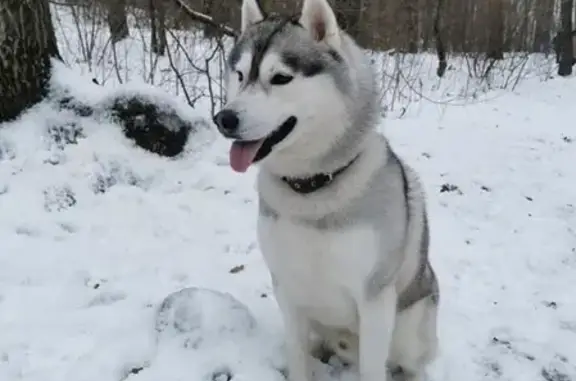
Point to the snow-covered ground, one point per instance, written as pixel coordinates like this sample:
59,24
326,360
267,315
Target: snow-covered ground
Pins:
95,235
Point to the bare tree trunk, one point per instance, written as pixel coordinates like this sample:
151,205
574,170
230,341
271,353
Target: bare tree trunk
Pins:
440,48
544,14
460,16
427,22
209,9
27,45
496,30
565,39
521,43
157,11
117,20
412,30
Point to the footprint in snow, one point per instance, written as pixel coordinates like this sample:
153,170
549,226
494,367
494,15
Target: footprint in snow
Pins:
58,198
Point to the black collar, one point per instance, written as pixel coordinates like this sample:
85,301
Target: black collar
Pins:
313,183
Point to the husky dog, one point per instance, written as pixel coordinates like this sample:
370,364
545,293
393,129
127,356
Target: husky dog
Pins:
342,220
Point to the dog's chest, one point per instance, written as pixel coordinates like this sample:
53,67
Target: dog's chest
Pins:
323,272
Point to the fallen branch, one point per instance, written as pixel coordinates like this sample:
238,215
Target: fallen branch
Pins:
205,19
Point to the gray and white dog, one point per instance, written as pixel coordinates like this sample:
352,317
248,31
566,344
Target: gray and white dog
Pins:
342,223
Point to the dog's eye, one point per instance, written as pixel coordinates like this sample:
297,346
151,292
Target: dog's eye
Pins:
281,79
240,76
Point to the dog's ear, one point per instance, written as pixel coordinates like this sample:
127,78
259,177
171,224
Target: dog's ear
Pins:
251,13
319,18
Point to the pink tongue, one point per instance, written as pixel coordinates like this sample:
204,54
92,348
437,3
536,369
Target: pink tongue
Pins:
242,155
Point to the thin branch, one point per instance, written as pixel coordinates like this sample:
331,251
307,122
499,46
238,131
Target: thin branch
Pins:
179,78
205,19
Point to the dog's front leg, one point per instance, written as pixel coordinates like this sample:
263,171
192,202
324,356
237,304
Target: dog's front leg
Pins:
297,332
377,319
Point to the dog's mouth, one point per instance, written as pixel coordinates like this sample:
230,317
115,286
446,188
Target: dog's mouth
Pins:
244,153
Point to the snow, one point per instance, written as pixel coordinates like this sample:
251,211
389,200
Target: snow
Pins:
94,237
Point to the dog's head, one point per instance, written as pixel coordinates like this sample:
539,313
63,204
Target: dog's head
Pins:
287,85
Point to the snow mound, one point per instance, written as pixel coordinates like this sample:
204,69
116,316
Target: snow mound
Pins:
147,115
204,317
210,335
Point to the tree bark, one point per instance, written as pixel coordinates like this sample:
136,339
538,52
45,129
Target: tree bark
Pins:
157,11
564,43
117,20
27,45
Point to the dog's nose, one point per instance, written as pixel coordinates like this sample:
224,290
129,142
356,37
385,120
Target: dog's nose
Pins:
227,122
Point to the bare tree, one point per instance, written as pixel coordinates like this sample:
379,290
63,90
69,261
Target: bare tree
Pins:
496,29
157,11
117,19
458,16
27,45
440,48
209,9
543,22
565,39
412,22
